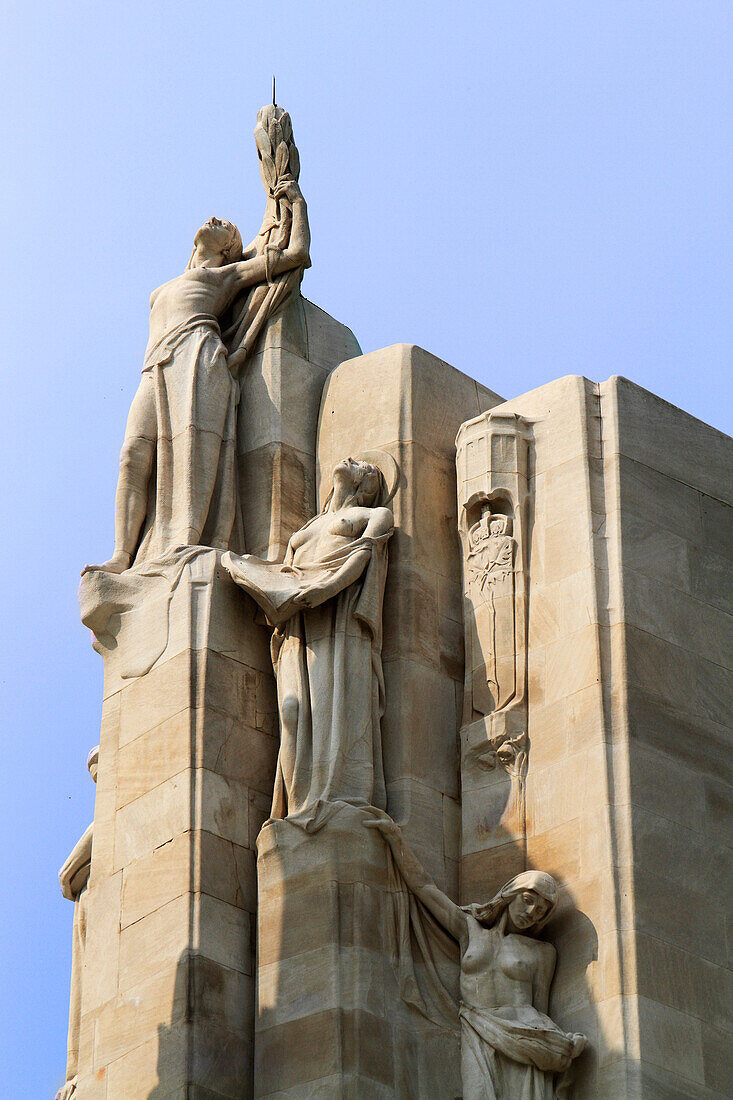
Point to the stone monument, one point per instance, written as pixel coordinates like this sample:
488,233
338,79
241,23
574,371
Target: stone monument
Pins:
413,770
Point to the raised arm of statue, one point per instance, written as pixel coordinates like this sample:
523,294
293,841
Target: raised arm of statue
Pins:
449,915
276,260
283,241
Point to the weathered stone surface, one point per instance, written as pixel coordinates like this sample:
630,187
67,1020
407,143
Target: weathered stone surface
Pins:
330,1015
172,889
628,681
281,391
407,402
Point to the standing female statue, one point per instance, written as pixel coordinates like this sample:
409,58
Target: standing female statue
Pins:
325,601
510,1048
177,483
182,422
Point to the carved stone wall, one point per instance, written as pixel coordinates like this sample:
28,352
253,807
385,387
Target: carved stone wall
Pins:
628,647
494,522
405,401
580,560
281,389
186,760
671,494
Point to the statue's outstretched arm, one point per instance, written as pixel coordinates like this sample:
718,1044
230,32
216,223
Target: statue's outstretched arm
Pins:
315,595
259,269
449,915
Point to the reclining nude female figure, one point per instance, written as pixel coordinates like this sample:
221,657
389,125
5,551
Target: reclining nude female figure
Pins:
510,1048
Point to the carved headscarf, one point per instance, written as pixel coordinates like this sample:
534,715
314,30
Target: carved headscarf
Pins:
378,482
537,881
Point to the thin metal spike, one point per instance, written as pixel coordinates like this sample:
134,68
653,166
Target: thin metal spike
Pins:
273,90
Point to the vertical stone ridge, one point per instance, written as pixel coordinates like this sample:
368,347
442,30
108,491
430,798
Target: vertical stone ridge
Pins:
199,631
606,548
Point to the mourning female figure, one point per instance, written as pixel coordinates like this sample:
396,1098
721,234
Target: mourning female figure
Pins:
325,602
510,1048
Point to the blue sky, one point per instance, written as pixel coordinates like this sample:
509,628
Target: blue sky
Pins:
526,189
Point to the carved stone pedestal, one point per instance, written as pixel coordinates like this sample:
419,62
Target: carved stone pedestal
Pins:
186,761
330,1019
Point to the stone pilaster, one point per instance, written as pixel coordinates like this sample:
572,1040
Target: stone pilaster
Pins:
281,388
187,756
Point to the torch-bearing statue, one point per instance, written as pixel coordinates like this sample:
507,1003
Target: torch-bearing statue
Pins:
177,485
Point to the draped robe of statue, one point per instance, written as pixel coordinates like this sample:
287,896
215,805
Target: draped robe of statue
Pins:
514,1051
327,661
187,405
192,498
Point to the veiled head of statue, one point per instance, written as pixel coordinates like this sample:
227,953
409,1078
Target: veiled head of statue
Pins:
529,899
362,482
217,237
368,480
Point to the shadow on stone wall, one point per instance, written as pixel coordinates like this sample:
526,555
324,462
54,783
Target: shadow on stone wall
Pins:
203,1051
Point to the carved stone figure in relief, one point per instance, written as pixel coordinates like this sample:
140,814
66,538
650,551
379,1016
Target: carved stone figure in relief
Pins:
177,481
509,1046
490,577
74,878
325,601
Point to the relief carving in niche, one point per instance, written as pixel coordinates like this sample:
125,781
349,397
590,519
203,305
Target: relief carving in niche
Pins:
493,509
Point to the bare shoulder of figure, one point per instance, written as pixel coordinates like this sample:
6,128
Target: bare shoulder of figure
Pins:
474,926
381,520
213,274
159,289
547,950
